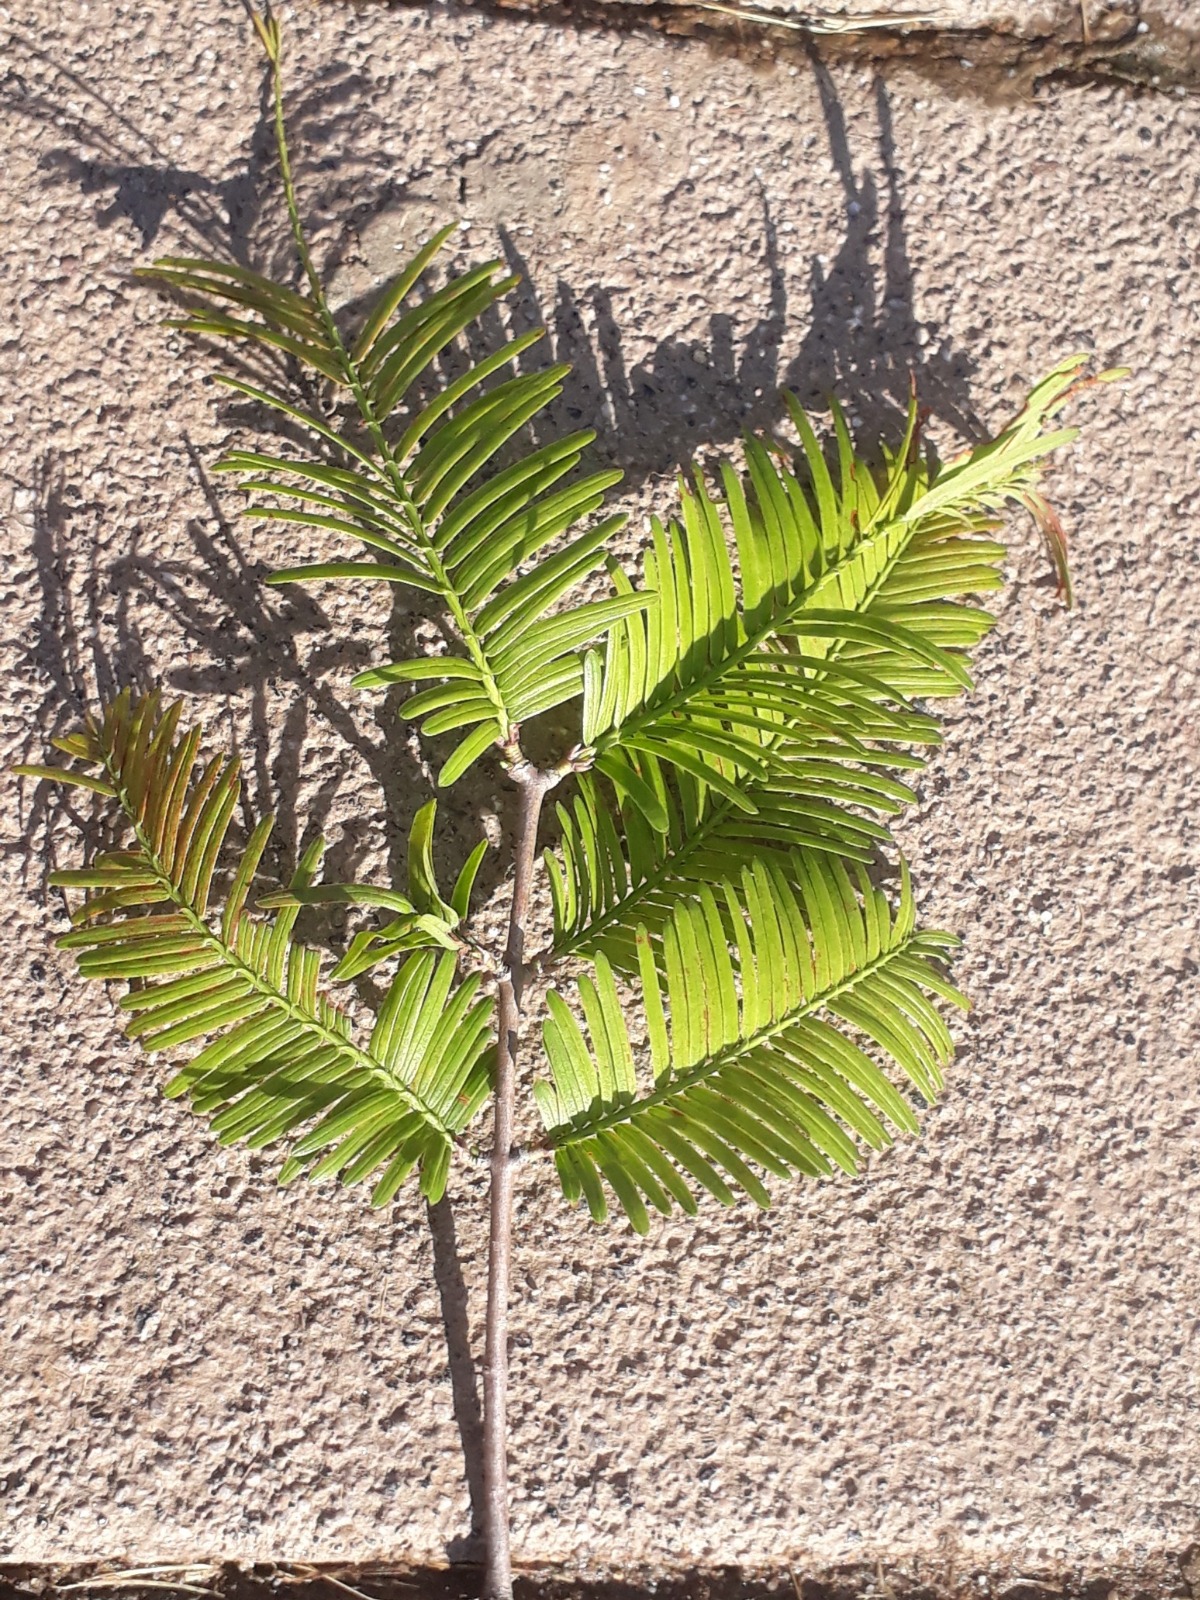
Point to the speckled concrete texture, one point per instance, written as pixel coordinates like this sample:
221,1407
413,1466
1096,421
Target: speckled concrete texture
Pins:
985,1350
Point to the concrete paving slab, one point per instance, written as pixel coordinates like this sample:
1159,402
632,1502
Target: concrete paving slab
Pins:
984,1353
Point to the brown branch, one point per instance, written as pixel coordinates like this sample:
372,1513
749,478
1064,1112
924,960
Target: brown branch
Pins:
533,785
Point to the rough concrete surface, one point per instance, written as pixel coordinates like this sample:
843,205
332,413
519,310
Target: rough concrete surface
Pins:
983,1352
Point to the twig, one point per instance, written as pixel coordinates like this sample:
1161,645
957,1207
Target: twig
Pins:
823,25
134,1579
140,1572
314,1574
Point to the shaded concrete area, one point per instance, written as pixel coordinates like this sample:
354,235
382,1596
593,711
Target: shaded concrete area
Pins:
981,1357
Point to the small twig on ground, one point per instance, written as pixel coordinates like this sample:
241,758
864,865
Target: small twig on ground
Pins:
824,25
151,1578
307,1574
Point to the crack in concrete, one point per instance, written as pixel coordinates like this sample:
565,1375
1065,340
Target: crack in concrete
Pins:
1139,49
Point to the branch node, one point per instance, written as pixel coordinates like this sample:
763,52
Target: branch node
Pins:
517,1156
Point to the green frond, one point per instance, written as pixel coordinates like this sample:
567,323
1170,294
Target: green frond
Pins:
748,993
430,475
800,631
810,557
799,666
276,1057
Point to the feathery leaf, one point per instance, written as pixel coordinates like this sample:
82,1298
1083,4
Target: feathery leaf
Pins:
799,668
279,1057
748,993
427,483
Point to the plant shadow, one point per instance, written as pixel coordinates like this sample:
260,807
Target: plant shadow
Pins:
863,341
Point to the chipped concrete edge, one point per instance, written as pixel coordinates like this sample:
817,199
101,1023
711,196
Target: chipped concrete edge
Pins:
1173,1575
1132,47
